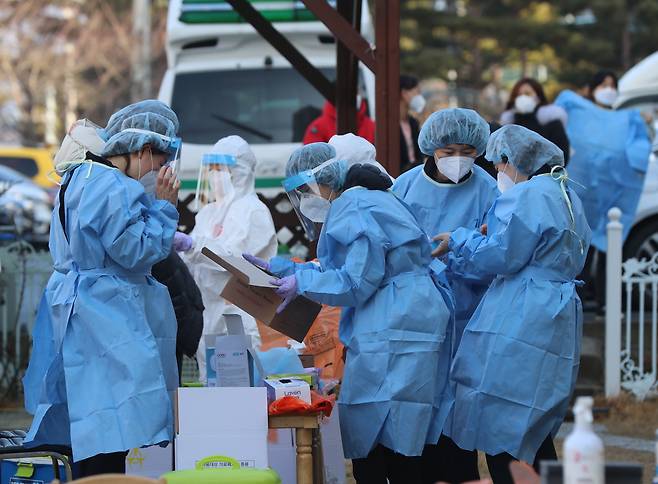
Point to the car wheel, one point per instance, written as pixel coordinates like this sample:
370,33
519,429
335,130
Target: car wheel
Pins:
642,243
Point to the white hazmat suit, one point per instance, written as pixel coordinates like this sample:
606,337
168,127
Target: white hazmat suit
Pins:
238,223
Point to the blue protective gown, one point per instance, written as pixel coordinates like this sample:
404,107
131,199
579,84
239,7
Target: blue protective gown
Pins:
516,367
445,207
375,263
104,352
610,153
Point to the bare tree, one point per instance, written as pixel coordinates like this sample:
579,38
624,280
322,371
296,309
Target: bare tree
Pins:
82,50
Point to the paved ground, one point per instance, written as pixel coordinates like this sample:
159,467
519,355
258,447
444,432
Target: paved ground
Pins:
14,418
619,448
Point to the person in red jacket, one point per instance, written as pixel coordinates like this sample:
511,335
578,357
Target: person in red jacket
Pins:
324,127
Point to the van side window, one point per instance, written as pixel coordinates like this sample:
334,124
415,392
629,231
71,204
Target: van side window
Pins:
262,105
26,166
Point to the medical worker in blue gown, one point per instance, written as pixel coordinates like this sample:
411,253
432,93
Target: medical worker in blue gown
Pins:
516,366
103,364
446,193
375,262
609,160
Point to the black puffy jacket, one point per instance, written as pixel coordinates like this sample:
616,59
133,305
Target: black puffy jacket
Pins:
187,302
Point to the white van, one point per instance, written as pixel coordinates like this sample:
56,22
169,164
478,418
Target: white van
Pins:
638,88
223,78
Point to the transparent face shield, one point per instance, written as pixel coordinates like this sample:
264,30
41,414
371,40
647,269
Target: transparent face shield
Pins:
172,148
307,201
214,183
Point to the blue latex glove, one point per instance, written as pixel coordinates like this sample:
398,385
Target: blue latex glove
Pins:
182,242
257,261
287,289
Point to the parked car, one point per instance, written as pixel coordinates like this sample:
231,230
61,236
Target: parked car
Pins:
25,208
638,88
34,163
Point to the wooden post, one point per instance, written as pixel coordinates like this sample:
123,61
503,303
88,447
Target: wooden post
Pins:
387,54
346,75
304,456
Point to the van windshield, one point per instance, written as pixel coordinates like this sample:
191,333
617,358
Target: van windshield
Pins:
260,105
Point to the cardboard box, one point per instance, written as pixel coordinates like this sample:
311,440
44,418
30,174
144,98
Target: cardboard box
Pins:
282,454
234,366
332,449
230,422
285,387
150,461
249,289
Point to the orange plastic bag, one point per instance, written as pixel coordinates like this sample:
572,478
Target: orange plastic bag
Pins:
321,341
295,406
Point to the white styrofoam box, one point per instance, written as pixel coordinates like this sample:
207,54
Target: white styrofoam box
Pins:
224,421
332,449
282,454
214,411
248,447
150,461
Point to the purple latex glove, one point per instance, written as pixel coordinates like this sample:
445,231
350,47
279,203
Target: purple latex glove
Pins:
182,242
287,289
257,261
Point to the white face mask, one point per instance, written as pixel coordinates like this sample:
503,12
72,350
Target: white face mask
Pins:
220,185
314,207
454,167
148,181
525,104
605,96
504,182
417,103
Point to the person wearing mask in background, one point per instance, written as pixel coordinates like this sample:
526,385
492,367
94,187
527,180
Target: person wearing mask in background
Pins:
449,192
324,127
410,100
109,359
609,161
528,106
516,367
374,261
233,221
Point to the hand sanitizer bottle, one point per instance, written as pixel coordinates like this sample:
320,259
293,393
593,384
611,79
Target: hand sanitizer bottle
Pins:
583,449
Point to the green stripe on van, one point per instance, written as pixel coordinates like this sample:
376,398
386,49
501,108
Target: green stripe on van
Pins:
260,183
220,11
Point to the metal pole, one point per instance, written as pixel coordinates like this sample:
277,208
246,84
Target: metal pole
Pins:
613,305
141,72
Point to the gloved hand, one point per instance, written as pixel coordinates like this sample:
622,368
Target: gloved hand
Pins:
182,242
287,290
257,261
444,244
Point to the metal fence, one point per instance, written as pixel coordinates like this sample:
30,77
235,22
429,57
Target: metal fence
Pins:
24,273
631,319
